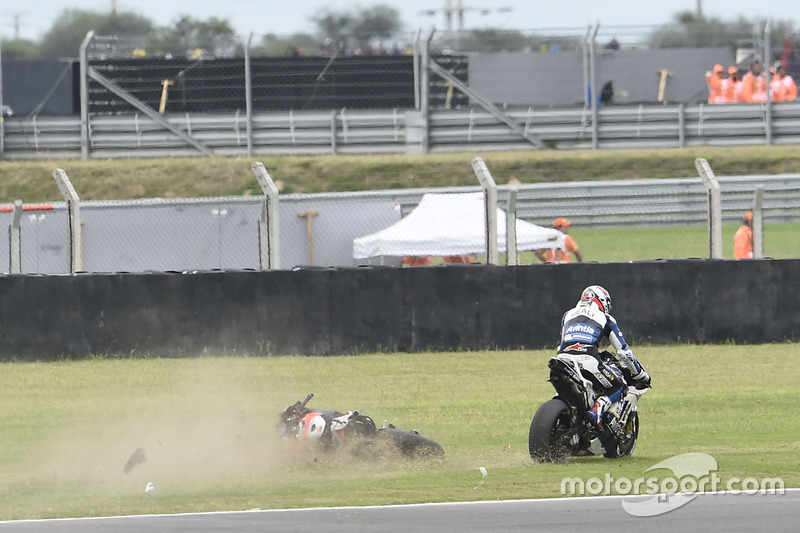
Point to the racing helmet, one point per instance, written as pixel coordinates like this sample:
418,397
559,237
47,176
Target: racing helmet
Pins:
598,295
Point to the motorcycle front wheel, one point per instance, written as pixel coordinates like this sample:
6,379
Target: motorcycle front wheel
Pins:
624,448
546,436
412,444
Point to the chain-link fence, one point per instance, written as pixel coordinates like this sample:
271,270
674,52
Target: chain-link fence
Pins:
200,81
614,221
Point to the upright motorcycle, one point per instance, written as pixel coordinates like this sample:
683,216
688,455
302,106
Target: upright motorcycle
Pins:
332,430
561,426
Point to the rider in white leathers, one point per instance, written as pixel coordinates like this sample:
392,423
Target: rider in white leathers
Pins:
583,329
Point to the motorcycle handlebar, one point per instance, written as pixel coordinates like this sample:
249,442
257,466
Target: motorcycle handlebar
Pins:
308,398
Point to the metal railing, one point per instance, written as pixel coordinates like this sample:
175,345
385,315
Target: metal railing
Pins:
400,131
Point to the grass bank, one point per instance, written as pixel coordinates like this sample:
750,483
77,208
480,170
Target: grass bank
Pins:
31,181
207,427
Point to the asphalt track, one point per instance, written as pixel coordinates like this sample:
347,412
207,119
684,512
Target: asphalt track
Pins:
706,512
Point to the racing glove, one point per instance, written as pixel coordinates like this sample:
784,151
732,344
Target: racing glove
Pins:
627,359
639,375
641,380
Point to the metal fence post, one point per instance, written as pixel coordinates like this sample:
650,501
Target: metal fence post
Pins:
511,228
334,114
767,60
74,220
14,244
248,95
425,90
681,126
585,70
268,231
758,223
2,117
593,84
84,93
490,193
417,80
714,208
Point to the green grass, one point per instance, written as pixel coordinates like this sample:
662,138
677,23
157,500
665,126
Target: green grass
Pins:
629,243
781,241
207,425
131,178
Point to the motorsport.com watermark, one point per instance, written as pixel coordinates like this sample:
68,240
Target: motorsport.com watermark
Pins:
693,474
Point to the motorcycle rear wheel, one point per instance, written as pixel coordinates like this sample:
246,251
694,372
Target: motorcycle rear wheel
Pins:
545,439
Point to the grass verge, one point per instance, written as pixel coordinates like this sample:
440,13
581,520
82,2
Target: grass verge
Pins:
131,178
207,427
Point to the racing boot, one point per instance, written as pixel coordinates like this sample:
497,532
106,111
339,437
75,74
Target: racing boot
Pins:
598,410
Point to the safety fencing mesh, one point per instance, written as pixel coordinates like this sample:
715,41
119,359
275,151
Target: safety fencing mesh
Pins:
619,221
202,80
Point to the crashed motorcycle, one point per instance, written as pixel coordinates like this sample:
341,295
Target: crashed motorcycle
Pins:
561,426
332,430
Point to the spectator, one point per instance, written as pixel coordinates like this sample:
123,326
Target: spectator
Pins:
789,85
607,93
417,261
366,49
775,87
559,256
464,259
743,239
714,80
782,87
732,85
754,84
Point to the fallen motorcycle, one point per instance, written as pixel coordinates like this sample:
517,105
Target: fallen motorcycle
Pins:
561,427
334,430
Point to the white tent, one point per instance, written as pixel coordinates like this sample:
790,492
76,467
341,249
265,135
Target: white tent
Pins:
450,224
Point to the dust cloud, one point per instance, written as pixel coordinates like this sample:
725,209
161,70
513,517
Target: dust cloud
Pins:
207,434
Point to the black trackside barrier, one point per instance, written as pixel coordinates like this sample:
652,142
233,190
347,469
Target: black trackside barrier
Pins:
365,300
357,310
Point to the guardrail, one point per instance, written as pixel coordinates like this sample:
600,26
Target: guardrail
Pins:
404,130
656,202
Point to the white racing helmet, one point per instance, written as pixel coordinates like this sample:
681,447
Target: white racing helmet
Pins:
598,295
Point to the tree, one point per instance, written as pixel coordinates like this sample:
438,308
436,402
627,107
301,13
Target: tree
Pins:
496,40
20,49
689,30
359,27
65,37
274,45
377,22
334,25
186,34
490,40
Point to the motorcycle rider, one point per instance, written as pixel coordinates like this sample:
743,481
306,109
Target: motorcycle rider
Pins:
583,329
